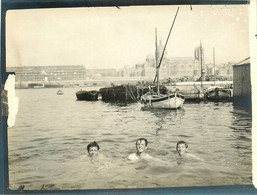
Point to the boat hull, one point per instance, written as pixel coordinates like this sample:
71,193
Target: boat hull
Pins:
121,93
193,95
217,94
167,101
53,86
36,85
43,85
59,92
87,95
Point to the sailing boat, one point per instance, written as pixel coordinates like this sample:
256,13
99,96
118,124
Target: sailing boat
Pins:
157,100
217,93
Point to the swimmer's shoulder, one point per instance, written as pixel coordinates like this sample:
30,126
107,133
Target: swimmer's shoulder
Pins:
147,156
194,157
132,156
151,158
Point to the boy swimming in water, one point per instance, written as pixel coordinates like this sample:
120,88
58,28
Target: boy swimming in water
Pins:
182,147
141,147
93,149
96,158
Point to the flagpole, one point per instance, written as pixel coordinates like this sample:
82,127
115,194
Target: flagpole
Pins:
214,65
201,60
156,61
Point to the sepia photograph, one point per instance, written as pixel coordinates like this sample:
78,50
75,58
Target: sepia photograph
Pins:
127,97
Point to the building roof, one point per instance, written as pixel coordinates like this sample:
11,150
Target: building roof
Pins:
245,61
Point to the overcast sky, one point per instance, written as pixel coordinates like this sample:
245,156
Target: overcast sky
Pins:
114,38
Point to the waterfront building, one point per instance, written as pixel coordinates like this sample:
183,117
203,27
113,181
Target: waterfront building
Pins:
139,70
101,73
60,73
242,80
226,69
149,67
128,71
171,67
48,73
182,66
149,73
209,71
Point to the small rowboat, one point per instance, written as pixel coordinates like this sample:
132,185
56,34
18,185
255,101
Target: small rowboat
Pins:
59,92
217,93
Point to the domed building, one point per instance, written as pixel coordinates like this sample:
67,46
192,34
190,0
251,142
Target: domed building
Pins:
171,67
150,61
149,67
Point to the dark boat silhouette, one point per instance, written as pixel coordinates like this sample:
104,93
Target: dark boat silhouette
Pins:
59,92
91,95
217,93
120,93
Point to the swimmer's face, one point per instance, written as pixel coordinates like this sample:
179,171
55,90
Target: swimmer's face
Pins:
181,149
93,151
141,146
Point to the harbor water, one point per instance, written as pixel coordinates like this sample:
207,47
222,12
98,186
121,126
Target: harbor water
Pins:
47,144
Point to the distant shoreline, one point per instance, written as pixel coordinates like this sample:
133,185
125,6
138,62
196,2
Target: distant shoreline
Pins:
111,82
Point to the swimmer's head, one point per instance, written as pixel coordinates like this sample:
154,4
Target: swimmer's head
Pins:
93,149
141,145
181,147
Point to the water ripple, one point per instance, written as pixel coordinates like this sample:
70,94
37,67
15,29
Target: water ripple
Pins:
52,147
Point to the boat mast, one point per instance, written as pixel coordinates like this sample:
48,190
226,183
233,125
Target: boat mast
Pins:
201,61
156,61
157,67
214,65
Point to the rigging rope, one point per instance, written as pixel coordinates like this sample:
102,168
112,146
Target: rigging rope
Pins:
130,93
166,43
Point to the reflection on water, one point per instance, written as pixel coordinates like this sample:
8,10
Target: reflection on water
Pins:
162,115
47,145
242,119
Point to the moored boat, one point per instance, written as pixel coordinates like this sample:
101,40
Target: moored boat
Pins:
36,85
91,95
156,99
145,89
50,85
162,101
59,92
120,93
217,93
192,93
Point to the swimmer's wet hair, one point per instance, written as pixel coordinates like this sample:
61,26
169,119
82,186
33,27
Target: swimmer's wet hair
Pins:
141,139
92,144
181,142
